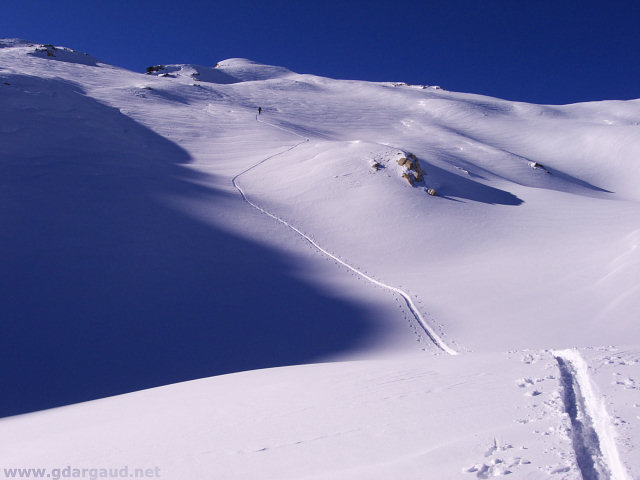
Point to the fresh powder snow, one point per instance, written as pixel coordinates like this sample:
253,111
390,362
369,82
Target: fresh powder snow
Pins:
361,281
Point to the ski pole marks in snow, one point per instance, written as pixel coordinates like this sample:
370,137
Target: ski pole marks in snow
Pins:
433,336
591,435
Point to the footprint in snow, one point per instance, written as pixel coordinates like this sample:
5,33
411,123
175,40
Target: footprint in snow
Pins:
627,383
497,464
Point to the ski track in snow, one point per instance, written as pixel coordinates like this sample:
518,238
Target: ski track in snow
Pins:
433,336
592,433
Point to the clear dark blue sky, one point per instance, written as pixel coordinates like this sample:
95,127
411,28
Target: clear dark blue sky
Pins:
531,50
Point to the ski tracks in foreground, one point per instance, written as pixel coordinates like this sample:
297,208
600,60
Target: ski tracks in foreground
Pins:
592,433
433,336
566,409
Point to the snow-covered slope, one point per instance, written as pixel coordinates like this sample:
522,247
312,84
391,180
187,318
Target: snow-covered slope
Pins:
448,248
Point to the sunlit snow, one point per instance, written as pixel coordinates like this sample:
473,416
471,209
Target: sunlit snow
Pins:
362,281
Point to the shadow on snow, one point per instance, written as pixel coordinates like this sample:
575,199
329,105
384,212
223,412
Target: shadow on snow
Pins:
104,290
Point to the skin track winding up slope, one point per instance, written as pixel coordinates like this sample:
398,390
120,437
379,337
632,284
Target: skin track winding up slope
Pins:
594,446
433,336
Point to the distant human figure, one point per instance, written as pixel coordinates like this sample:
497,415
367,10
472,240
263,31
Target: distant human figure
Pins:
259,110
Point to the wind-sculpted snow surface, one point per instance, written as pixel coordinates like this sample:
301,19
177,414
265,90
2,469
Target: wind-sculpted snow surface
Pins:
443,417
155,232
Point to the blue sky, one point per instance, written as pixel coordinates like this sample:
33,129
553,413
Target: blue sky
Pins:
537,51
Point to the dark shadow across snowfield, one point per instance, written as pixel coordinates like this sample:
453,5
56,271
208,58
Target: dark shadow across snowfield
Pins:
104,290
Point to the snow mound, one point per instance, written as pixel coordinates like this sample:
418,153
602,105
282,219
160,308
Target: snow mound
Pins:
46,50
194,72
64,54
230,71
15,42
245,70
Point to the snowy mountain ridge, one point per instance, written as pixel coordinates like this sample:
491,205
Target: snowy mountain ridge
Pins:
159,228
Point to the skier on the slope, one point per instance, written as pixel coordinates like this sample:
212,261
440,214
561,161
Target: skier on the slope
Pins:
259,110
